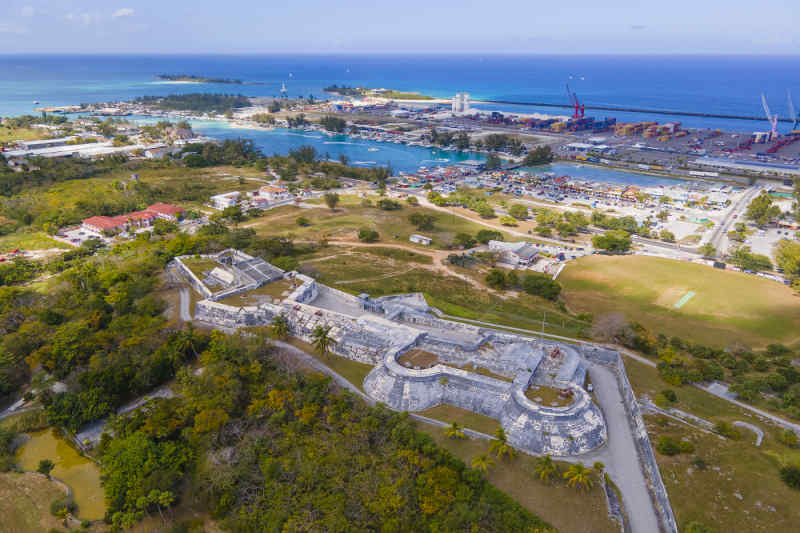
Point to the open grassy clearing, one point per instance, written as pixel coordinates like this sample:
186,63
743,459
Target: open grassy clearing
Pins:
397,254
67,194
462,417
25,503
727,306
9,135
268,292
739,488
452,295
568,510
200,266
548,396
419,358
732,465
352,371
345,221
34,240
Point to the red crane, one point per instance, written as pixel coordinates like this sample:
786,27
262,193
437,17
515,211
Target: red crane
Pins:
573,100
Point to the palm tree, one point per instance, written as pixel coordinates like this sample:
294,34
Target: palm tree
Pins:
500,445
599,466
579,476
279,327
322,341
546,468
454,431
482,462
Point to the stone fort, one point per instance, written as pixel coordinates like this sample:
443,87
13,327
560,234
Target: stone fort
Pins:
536,389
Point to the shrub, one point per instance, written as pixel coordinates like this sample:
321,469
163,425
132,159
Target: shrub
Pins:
465,240
787,437
303,221
726,429
389,205
670,446
697,527
496,279
368,235
485,235
790,474
541,285
59,505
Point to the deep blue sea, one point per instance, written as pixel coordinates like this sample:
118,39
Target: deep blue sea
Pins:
711,84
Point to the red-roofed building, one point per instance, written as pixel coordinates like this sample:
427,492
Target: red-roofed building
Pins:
100,224
167,211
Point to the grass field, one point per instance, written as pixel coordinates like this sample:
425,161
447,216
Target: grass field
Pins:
352,371
733,466
568,510
727,306
9,135
462,417
37,240
345,221
452,295
274,290
25,503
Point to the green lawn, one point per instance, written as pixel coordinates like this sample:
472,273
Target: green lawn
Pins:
732,465
727,306
462,417
568,510
37,240
352,371
345,221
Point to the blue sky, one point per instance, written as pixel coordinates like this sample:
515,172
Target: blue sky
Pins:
430,26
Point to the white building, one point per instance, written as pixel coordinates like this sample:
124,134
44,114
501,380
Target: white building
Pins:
460,103
516,254
228,199
420,239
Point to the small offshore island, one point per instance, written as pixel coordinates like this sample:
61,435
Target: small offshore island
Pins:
358,92
188,78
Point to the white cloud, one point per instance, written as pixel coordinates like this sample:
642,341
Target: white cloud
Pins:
28,11
123,12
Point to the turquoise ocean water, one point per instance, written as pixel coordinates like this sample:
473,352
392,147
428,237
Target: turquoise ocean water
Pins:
713,84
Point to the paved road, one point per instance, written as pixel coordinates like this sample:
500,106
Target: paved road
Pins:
620,453
722,229
186,312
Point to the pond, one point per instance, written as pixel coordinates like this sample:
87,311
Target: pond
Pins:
80,474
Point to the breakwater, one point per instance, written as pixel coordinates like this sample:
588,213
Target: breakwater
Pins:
635,110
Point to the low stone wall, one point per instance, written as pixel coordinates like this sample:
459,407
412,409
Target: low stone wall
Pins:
537,429
193,280
231,317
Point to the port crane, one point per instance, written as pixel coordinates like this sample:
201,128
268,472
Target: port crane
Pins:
793,116
772,119
573,100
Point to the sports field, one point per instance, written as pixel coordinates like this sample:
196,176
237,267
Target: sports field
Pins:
689,300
